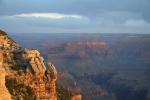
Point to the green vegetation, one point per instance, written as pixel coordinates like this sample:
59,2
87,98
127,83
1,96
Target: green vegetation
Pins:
63,94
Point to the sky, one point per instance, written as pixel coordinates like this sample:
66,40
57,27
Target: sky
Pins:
75,16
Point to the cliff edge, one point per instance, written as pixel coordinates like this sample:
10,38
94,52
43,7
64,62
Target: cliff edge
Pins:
24,75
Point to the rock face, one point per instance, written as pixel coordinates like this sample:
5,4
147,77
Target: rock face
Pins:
28,77
4,94
34,61
77,97
7,42
39,75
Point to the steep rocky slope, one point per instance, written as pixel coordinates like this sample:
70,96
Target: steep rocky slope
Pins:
3,90
23,73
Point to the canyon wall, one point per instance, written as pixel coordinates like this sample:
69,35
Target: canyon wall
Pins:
24,75
4,94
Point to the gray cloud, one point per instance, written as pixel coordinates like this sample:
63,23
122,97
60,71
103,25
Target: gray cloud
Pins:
100,15
76,6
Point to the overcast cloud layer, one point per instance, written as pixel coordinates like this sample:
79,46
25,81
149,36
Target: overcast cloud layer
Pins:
75,16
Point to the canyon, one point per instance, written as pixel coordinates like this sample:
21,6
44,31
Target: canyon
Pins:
101,66
104,67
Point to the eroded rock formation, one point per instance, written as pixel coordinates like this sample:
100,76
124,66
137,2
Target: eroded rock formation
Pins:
28,77
39,75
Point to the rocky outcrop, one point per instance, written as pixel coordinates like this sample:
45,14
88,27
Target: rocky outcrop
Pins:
4,94
6,42
77,97
28,77
34,61
40,76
